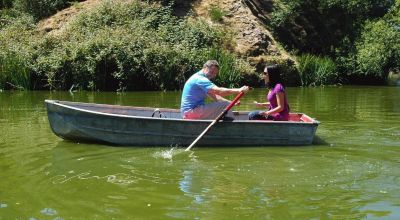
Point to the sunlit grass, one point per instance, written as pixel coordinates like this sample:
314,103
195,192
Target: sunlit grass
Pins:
316,71
217,14
14,74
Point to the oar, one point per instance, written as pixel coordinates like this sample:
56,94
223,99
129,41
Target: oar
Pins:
216,120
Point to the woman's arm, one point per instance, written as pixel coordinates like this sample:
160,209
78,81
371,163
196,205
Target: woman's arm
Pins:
280,96
261,104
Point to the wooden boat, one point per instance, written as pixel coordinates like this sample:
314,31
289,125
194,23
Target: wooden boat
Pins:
143,126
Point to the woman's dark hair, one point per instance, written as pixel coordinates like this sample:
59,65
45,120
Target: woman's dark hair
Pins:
274,76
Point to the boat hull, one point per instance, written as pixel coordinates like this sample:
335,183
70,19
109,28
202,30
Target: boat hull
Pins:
94,124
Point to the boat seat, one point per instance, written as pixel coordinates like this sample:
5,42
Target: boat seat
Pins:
160,115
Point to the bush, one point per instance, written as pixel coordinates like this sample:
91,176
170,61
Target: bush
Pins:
319,27
378,49
316,71
9,16
16,53
123,46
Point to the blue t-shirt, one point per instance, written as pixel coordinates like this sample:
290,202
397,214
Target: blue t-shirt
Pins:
195,91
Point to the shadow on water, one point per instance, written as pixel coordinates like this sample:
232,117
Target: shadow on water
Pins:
319,141
176,148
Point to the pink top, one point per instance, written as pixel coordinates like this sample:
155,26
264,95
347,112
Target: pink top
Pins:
271,97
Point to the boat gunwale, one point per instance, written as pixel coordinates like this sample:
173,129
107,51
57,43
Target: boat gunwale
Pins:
57,102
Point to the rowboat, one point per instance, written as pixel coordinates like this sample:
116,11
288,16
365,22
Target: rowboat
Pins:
146,126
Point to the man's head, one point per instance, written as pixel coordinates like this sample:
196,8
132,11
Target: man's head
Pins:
211,69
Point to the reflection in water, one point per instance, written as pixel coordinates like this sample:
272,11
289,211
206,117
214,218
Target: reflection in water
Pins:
378,210
186,186
193,187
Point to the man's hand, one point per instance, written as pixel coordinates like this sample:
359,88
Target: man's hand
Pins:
244,89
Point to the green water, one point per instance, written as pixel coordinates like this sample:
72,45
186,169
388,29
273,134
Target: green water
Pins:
351,172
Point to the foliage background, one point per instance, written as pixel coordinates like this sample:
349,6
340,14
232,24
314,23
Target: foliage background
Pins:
142,46
359,36
116,47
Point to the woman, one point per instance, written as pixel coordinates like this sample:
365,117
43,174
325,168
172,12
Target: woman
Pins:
278,108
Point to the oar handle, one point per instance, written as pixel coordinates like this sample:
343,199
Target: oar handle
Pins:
234,102
223,113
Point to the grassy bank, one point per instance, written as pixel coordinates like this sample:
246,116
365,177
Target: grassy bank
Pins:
114,47
136,45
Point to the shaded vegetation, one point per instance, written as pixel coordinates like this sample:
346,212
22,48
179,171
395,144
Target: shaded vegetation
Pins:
320,26
5,4
37,8
142,46
360,36
378,49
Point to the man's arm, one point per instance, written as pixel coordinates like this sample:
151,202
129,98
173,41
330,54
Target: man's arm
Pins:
221,91
217,97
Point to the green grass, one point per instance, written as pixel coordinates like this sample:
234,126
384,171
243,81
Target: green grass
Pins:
217,14
14,74
317,71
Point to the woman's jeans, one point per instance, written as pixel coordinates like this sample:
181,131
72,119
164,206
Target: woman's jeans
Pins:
256,115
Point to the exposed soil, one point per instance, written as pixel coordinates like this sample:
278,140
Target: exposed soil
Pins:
250,35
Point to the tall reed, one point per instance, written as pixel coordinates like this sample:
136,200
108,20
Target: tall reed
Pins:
14,73
316,71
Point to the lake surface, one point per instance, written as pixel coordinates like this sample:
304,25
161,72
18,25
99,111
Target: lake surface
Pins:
351,172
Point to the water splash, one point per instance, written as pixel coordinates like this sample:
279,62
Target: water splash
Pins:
168,154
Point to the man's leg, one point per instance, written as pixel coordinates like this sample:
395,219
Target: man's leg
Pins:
208,111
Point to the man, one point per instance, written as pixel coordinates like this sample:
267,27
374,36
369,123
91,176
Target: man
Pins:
198,87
